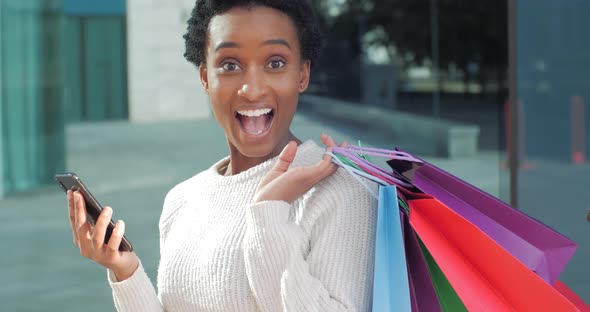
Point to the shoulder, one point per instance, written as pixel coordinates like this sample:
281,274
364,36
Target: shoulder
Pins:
340,197
343,187
340,186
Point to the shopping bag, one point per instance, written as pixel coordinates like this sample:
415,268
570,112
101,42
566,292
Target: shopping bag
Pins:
539,247
484,275
447,296
571,296
390,283
424,277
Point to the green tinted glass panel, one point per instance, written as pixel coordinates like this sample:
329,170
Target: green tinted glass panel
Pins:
32,139
73,70
104,74
96,75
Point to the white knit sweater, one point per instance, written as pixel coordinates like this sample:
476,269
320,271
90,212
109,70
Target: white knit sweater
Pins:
220,252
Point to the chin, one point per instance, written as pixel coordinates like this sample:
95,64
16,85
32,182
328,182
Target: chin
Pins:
257,149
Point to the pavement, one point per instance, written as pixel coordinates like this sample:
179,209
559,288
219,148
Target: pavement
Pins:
132,166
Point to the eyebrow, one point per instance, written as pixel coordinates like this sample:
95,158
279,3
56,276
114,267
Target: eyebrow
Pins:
230,44
277,41
226,44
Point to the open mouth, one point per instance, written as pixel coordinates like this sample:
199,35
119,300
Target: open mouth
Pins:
255,121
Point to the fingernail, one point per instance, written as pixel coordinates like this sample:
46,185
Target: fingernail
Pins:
121,225
108,211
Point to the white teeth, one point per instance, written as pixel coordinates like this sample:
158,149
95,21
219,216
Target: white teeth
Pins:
255,112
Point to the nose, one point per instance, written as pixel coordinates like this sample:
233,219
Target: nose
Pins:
254,86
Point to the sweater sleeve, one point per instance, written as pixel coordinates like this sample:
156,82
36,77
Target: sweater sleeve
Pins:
137,293
336,272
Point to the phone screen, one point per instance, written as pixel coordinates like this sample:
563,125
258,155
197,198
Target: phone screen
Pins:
70,181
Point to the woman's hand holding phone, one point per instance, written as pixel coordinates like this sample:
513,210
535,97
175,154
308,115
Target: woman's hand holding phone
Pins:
90,239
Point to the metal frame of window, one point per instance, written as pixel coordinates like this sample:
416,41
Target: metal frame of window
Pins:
513,103
1,110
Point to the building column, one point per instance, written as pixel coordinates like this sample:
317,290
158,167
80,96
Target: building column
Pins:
162,84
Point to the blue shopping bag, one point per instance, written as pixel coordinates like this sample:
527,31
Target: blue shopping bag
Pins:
391,291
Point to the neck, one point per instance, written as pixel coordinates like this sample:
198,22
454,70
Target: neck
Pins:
241,163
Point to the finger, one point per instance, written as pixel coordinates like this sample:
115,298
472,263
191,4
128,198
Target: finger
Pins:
286,157
75,225
329,143
82,226
72,215
116,238
100,228
282,165
323,138
329,149
325,167
328,140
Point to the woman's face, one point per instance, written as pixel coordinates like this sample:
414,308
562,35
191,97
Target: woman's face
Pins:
253,76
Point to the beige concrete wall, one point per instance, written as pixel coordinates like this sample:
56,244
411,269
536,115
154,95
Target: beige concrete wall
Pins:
162,84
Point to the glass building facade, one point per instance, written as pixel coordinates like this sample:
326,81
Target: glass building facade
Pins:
495,92
31,115
61,61
440,65
552,67
95,86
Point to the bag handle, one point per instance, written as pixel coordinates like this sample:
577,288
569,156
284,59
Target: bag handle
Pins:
383,153
401,191
355,173
390,177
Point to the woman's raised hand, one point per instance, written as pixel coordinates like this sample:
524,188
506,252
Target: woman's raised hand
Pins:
90,239
285,184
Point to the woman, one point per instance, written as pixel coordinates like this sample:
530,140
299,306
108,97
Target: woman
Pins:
272,227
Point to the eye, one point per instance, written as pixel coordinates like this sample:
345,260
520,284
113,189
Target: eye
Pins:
276,64
230,66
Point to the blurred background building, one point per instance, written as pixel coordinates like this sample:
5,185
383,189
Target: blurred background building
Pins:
71,61
496,92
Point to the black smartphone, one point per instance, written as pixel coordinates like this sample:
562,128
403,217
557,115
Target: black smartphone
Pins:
70,181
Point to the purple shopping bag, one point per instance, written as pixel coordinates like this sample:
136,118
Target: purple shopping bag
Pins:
536,245
422,294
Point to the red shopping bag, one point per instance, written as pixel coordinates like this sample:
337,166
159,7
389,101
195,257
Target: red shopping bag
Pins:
484,275
571,296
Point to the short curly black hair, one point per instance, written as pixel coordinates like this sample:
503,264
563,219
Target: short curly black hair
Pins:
300,12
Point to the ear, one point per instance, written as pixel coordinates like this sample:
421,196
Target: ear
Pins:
204,78
304,74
